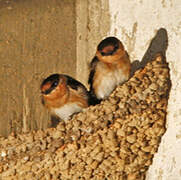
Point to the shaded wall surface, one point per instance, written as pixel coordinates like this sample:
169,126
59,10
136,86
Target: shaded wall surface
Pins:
37,38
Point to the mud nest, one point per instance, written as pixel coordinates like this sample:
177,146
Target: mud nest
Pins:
116,139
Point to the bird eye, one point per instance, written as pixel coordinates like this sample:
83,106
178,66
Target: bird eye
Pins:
55,84
103,53
116,47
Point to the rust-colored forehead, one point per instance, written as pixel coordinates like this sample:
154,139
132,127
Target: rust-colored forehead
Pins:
46,86
50,83
108,49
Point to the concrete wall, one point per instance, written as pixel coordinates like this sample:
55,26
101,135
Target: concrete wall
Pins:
92,24
37,38
144,27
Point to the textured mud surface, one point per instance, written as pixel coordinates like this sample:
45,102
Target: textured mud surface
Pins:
116,139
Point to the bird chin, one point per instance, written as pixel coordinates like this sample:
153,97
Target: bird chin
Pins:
65,112
110,59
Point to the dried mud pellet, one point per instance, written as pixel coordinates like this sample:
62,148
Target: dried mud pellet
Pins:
61,126
148,163
121,105
103,167
132,91
134,149
161,132
141,153
121,132
107,162
47,176
57,134
111,134
89,160
114,153
94,164
99,156
121,164
146,148
154,141
9,172
161,104
117,125
108,110
131,139
133,176
138,89
95,151
113,100
65,165
110,144
87,174
3,153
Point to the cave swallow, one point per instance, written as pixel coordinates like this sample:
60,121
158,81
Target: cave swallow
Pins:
110,67
63,95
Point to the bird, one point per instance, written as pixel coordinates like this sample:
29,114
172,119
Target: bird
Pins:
63,96
110,67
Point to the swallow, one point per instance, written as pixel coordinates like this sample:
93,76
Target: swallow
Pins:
110,67
63,96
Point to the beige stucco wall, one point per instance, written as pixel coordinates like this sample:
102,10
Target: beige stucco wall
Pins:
92,24
145,27
136,23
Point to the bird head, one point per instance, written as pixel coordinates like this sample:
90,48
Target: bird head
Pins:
53,86
110,50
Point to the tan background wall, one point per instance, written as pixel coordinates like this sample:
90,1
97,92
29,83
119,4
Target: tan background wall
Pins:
37,38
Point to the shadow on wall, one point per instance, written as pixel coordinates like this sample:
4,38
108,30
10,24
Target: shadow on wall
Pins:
158,44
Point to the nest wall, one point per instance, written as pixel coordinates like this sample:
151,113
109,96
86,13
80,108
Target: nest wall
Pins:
116,139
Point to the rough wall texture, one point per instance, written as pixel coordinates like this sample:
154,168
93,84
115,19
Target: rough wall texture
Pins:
92,23
145,27
37,38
